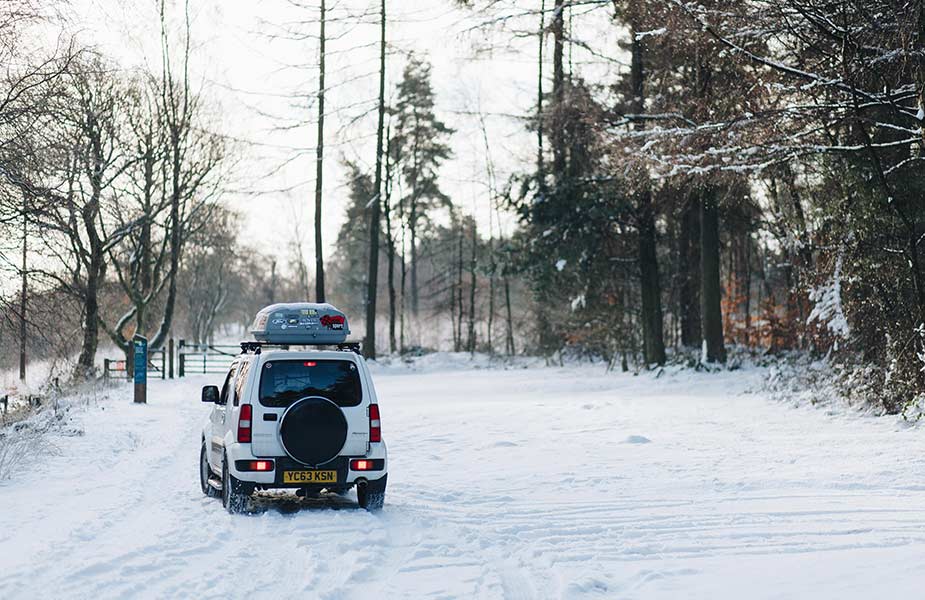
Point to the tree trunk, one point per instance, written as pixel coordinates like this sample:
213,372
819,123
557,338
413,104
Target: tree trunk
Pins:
271,290
491,296
24,292
390,248
372,283
747,285
175,249
710,294
470,342
558,90
459,290
319,164
453,316
689,267
540,160
86,361
412,228
654,344
509,341
653,340
401,304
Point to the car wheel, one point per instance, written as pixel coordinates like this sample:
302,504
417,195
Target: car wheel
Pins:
234,492
371,495
205,473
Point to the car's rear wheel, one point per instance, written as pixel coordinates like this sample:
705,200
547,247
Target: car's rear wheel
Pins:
235,492
205,473
371,495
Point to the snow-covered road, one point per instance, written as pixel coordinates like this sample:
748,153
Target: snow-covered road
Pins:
528,483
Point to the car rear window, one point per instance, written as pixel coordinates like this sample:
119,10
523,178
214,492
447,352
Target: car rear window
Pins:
282,382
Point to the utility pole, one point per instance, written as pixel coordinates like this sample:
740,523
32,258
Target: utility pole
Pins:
319,167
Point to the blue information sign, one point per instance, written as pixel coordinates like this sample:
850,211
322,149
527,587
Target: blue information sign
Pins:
140,353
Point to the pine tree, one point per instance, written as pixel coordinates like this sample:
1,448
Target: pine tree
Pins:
420,148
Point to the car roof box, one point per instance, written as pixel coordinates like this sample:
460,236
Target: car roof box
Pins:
300,323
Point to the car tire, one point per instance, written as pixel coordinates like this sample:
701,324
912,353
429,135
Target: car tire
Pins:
205,472
371,496
235,492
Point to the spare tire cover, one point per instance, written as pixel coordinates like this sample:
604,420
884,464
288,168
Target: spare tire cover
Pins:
313,430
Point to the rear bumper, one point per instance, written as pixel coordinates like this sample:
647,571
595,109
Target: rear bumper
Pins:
274,479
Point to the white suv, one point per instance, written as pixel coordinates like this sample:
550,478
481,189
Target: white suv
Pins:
305,420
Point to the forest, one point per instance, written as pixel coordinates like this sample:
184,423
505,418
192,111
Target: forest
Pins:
744,177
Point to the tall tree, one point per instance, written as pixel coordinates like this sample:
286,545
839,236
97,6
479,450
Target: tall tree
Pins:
24,289
372,286
689,272
319,158
390,237
652,325
92,142
194,157
711,310
421,148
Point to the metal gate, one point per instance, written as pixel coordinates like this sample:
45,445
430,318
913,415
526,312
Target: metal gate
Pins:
205,358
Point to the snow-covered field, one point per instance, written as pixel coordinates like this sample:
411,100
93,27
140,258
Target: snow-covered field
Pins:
525,483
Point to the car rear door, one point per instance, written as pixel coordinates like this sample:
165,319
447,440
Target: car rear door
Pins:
269,414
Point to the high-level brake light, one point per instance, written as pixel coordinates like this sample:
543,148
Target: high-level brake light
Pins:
375,427
244,423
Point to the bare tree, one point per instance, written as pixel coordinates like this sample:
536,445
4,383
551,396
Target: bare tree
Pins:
90,159
193,159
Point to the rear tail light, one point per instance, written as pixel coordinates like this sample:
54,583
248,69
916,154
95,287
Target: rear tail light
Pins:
367,464
375,427
244,423
254,465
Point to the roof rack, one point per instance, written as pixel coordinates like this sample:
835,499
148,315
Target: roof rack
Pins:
256,347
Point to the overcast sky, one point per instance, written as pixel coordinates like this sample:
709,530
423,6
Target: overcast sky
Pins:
265,87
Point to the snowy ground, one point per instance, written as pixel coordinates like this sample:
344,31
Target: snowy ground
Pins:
528,483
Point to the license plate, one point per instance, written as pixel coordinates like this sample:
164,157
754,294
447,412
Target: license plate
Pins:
309,476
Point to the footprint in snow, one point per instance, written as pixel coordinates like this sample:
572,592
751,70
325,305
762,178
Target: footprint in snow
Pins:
637,439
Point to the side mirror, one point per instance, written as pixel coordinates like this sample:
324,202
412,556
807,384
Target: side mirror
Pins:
210,394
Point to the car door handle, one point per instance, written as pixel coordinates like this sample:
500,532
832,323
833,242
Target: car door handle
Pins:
269,417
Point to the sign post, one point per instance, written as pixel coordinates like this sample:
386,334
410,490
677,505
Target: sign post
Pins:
140,362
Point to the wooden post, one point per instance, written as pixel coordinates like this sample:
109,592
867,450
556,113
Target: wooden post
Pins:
181,366
106,368
170,358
